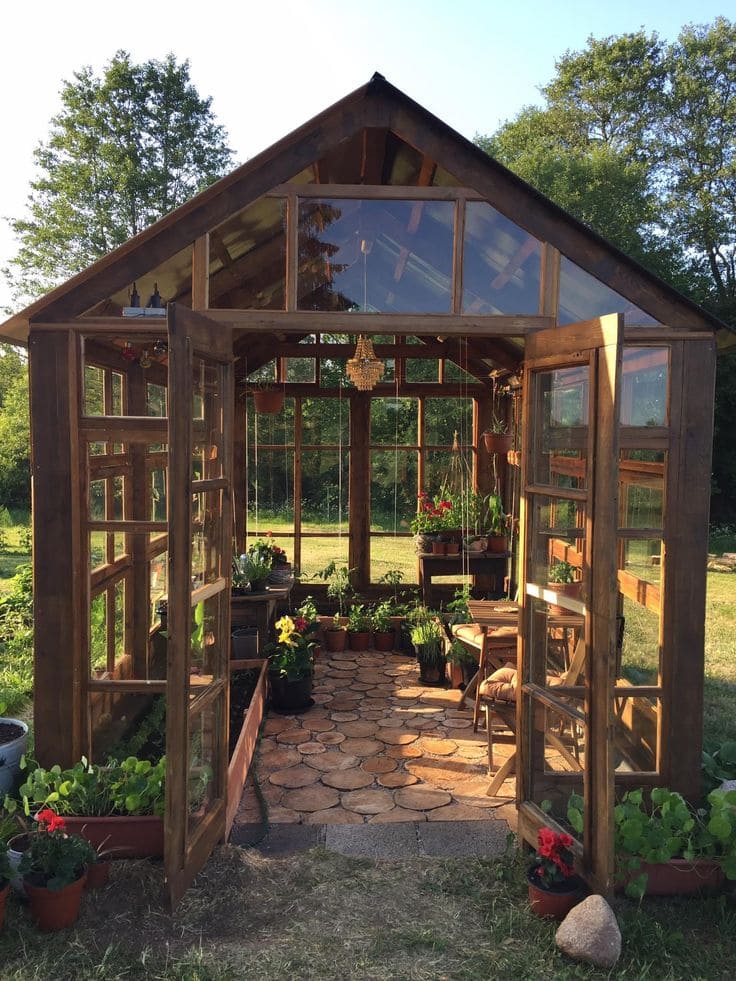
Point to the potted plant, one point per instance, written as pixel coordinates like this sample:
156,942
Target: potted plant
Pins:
383,628
339,589
553,886
664,846
290,669
54,868
13,740
255,569
267,550
497,438
335,634
427,636
562,579
433,518
463,665
497,522
359,628
268,398
6,876
118,806
308,611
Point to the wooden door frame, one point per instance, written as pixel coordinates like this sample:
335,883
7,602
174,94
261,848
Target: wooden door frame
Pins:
597,342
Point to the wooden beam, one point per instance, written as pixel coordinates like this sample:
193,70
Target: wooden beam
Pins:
201,273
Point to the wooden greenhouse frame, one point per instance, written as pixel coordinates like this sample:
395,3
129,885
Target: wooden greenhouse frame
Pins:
139,455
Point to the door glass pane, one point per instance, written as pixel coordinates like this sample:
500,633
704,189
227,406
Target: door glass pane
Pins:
207,544
393,489
644,386
641,488
556,544
636,733
205,642
554,646
204,749
564,736
560,426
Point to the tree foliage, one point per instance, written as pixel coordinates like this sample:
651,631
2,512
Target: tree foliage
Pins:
637,138
14,429
126,148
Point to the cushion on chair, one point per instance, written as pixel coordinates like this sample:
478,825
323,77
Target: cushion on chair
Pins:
501,684
503,635
468,633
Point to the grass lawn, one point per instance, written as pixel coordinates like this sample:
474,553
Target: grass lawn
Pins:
317,915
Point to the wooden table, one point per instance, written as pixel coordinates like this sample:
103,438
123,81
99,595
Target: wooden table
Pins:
259,609
492,564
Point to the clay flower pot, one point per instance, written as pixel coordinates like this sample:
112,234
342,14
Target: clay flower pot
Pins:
555,902
55,910
383,640
335,640
498,442
269,401
359,640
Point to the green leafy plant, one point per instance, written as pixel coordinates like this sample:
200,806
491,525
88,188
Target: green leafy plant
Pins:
380,616
719,764
359,620
339,584
307,611
290,655
393,578
459,654
495,520
128,787
55,859
562,572
427,636
253,569
457,609
664,827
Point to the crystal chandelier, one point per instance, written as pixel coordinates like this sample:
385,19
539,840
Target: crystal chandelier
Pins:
364,369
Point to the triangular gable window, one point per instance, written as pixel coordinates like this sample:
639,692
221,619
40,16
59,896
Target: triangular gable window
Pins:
582,297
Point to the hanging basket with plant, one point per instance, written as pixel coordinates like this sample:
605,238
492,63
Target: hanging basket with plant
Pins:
268,398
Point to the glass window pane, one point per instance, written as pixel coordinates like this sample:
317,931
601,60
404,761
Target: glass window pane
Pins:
155,399
422,370
319,552
98,633
394,422
332,372
501,263
641,488
636,734
324,491
393,489
207,542
556,546
454,373
644,385
389,553
248,258
445,417
300,369
205,643
94,392
116,407
559,426
204,748
582,297
270,429
158,478
325,421
158,583
377,256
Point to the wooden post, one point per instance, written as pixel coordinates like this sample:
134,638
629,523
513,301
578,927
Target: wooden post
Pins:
137,592
359,556
57,568
686,547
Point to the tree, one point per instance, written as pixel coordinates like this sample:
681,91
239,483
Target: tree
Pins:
126,148
14,429
637,138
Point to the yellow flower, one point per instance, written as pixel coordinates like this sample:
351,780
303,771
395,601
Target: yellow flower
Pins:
286,629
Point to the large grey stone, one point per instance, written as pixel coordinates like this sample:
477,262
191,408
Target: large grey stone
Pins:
590,933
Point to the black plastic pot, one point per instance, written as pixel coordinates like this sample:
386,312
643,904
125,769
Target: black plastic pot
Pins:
288,695
244,643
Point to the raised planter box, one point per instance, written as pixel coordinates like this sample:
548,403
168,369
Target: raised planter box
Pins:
679,877
125,836
242,756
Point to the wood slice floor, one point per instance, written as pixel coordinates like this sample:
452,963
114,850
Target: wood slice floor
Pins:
376,747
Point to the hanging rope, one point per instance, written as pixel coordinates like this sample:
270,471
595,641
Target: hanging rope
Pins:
396,453
339,465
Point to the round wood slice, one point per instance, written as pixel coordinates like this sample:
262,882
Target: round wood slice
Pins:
438,747
330,738
397,779
352,779
310,748
344,716
403,752
318,725
273,726
295,776
378,764
360,729
315,798
294,736
362,747
391,722
278,759
417,798
333,759
368,801
396,737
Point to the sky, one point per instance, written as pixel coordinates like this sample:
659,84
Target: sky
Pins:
270,65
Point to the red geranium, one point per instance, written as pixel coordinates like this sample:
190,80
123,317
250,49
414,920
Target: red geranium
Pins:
552,862
50,820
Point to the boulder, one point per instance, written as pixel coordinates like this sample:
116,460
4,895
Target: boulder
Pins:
590,933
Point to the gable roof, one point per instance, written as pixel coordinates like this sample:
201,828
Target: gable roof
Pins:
375,105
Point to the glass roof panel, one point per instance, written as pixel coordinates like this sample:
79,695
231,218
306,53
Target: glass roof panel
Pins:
582,297
501,264
172,278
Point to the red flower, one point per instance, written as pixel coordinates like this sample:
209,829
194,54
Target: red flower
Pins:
300,623
51,820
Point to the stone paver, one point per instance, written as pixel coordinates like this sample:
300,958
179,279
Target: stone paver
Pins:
376,748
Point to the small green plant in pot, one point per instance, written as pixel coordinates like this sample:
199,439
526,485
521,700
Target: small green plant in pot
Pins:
359,628
427,636
291,665
382,625
562,578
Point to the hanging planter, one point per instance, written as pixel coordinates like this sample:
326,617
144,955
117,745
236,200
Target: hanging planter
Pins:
269,401
498,442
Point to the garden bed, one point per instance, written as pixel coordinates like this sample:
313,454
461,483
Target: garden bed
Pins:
253,686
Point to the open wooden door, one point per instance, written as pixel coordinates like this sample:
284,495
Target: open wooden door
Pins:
568,631
201,393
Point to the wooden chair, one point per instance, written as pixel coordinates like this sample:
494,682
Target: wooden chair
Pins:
495,645
497,695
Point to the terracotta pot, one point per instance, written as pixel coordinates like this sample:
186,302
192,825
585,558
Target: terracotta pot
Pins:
555,903
123,836
498,442
359,640
383,640
55,910
3,897
453,548
439,548
681,878
269,401
98,875
497,543
572,589
335,640
422,544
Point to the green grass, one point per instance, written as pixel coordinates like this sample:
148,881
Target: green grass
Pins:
321,916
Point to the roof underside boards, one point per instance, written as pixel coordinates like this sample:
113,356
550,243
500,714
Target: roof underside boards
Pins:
375,136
